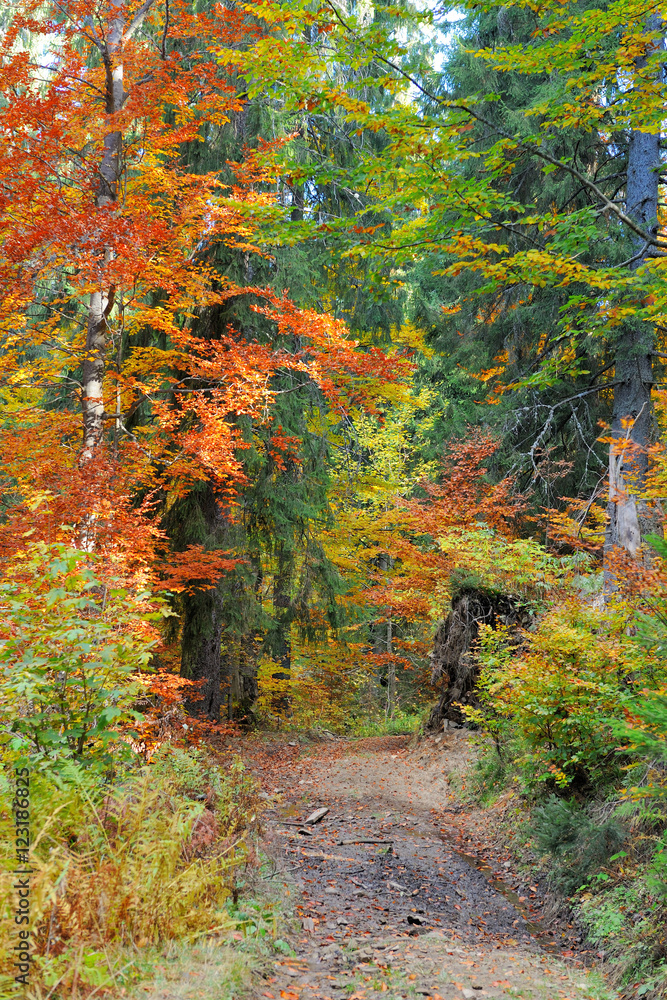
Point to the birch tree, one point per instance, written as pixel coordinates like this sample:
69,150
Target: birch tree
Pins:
121,24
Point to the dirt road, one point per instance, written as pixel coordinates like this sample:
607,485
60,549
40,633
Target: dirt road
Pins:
393,901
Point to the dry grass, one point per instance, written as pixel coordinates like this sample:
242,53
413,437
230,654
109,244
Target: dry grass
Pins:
121,871
212,971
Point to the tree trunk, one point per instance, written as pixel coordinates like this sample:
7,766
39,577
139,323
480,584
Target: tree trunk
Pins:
248,672
110,47
629,518
383,643
296,214
454,664
198,518
241,674
391,675
234,697
102,300
282,605
200,650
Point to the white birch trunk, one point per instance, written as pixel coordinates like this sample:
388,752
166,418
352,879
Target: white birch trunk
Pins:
102,299
108,181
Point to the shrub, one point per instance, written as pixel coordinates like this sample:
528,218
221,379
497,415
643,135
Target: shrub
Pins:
577,843
72,644
561,694
645,730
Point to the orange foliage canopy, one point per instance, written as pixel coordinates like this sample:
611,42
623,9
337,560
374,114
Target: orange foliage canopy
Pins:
145,251
461,502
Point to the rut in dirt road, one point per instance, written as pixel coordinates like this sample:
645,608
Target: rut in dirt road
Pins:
389,904
411,879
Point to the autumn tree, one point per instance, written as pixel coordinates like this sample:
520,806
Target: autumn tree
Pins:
494,333
285,499
114,228
609,81
119,403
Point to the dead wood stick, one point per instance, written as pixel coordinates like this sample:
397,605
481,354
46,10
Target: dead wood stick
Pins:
341,842
310,821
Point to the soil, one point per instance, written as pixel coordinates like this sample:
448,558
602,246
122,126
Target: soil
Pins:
395,896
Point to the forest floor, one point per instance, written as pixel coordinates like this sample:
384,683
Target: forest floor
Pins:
399,890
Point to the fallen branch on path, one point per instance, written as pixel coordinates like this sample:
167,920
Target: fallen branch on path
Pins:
341,842
310,821
329,857
282,871
316,816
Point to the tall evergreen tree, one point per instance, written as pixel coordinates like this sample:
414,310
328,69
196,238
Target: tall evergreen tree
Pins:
515,177
283,504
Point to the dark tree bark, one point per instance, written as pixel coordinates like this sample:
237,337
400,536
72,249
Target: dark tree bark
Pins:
282,605
200,658
239,675
384,643
630,518
454,665
199,519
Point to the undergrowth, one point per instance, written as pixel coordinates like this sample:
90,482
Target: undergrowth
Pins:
574,724
352,726
158,860
401,723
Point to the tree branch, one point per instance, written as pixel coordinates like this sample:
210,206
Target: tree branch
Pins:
163,46
533,148
137,20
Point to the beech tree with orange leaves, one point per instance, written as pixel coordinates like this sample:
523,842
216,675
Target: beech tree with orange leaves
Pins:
116,407
103,228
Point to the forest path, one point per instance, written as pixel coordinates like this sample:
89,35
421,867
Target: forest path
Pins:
421,913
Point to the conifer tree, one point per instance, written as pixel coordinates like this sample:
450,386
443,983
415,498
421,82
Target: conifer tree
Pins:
516,184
